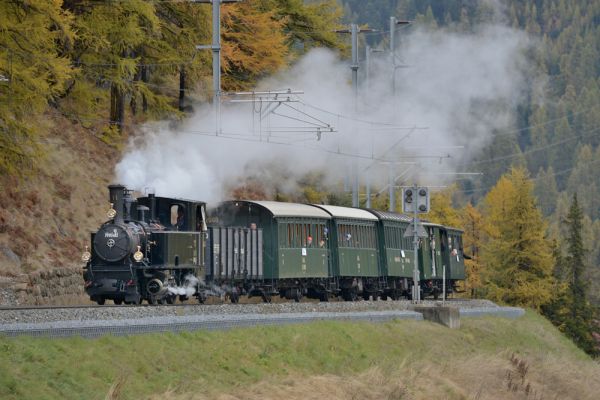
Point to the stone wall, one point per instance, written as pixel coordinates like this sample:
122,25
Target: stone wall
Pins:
59,286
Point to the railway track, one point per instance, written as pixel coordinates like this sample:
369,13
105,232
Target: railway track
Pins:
108,306
94,320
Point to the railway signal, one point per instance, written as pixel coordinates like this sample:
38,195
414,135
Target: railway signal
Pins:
415,199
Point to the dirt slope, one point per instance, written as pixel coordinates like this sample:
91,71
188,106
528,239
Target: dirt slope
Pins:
46,216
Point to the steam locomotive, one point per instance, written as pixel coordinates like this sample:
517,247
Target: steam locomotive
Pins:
161,249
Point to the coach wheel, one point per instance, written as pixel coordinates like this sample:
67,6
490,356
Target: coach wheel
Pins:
234,297
100,301
266,298
118,301
349,295
297,295
323,296
383,297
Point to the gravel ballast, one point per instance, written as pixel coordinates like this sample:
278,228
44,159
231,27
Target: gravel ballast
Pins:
38,315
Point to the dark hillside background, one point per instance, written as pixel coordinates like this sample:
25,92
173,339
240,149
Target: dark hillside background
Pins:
557,133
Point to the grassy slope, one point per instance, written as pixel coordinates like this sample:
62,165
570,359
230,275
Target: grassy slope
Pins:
46,217
403,359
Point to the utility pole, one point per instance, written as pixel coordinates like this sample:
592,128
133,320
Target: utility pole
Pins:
368,52
354,31
216,55
392,188
393,22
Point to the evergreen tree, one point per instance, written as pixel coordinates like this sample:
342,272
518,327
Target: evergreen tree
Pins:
546,191
585,180
573,313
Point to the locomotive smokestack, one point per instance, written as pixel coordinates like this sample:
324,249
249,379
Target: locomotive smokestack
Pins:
152,199
116,195
128,201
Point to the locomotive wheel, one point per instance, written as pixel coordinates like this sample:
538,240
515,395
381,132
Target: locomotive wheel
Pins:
383,297
118,301
170,299
323,296
183,297
152,300
101,301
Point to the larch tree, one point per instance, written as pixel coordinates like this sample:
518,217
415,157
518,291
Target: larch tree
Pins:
518,257
113,38
442,211
254,44
33,38
475,233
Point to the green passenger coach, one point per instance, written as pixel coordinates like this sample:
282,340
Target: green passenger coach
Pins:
354,247
440,257
295,243
396,253
455,254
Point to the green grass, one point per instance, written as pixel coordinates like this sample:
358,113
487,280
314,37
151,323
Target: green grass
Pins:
217,362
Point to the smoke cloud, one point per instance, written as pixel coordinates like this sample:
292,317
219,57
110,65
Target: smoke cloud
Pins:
451,92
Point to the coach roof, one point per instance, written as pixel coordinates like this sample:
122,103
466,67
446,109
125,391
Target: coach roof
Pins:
391,216
280,209
347,212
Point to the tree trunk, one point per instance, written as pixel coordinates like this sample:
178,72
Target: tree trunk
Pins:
117,107
181,88
144,72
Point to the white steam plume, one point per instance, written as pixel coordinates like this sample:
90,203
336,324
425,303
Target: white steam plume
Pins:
460,86
187,289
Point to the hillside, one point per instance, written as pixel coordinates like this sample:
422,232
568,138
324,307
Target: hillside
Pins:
487,358
46,217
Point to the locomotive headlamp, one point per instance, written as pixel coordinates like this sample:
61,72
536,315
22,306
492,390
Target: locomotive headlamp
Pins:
86,256
138,255
112,212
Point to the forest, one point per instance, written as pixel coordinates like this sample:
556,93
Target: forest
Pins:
532,221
